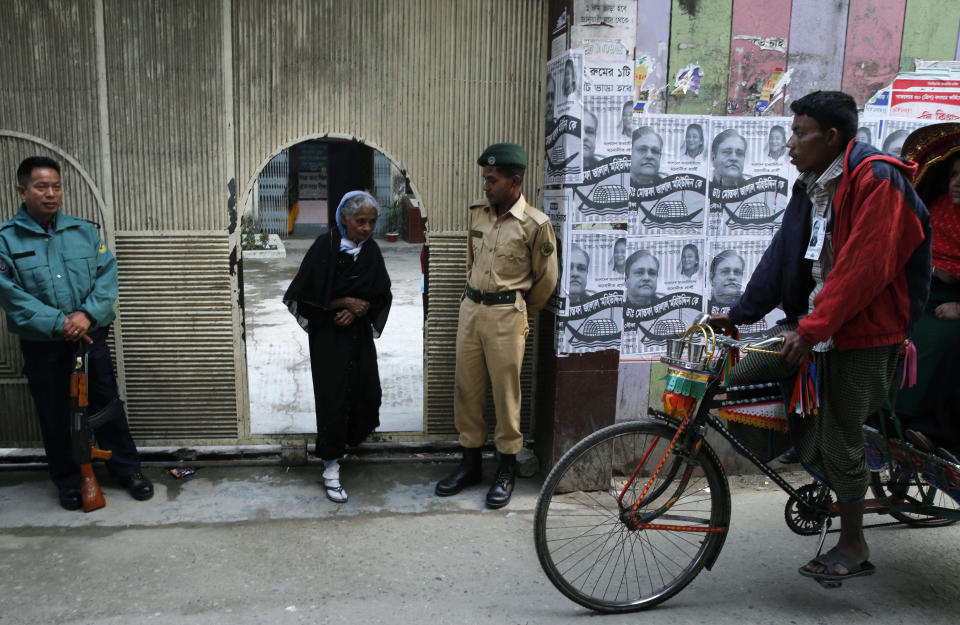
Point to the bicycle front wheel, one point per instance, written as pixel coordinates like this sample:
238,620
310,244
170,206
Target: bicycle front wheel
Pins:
608,556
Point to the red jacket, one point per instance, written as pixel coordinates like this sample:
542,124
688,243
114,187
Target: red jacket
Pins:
878,227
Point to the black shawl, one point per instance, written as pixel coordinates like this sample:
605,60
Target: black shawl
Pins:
317,283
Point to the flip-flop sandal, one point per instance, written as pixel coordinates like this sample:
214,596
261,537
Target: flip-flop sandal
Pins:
830,560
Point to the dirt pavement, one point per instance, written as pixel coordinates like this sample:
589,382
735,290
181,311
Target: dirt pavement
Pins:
261,544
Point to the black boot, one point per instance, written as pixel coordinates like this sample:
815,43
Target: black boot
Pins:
499,494
467,474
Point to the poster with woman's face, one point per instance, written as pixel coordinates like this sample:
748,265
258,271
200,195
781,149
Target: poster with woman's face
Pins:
668,175
662,295
893,132
750,175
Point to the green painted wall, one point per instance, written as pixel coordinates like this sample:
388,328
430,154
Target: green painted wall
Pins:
700,34
929,32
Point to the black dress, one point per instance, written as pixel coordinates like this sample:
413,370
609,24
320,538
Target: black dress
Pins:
343,359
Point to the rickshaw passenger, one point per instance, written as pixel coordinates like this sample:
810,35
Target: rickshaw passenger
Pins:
932,407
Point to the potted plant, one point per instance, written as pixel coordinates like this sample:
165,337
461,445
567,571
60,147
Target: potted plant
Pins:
392,215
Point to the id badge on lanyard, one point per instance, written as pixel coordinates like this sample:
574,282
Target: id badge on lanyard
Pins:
818,233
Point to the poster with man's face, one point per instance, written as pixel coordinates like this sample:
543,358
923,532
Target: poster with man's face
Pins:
603,194
750,175
593,287
563,158
731,263
662,294
668,175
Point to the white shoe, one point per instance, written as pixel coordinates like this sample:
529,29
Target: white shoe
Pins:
331,482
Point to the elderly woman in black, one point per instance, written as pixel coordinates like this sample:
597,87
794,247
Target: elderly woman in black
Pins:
341,297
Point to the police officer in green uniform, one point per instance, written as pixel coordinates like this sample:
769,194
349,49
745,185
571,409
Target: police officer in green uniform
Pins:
58,282
511,272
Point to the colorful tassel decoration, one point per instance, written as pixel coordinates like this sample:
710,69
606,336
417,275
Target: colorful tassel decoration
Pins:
805,400
909,365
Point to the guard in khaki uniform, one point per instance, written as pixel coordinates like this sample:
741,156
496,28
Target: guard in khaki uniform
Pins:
511,271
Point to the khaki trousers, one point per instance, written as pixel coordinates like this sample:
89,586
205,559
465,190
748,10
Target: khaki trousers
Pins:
490,341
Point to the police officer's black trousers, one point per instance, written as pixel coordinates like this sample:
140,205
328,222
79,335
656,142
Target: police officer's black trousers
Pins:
47,365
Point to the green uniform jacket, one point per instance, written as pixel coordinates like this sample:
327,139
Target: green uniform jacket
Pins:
44,277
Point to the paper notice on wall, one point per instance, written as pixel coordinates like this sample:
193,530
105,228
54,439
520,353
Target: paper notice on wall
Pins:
605,29
893,132
593,285
555,205
868,131
729,267
750,175
607,109
663,289
688,80
564,110
668,175
928,98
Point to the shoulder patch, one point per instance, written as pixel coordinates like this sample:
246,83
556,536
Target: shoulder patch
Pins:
546,248
101,248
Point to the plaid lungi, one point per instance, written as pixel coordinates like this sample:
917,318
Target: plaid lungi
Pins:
853,385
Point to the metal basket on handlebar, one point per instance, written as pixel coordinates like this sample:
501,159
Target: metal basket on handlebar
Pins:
687,379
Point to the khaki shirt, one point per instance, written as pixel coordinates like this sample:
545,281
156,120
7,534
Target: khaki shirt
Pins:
517,251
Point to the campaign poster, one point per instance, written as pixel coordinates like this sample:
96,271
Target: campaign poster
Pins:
603,194
593,288
663,292
731,263
668,173
555,205
563,160
750,175
607,109
868,131
893,132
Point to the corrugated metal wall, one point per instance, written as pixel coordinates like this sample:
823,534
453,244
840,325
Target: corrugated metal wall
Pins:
427,83
171,107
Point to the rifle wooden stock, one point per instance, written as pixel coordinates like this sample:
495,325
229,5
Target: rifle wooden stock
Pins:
90,493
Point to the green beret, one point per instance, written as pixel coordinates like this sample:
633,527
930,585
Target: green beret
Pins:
503,154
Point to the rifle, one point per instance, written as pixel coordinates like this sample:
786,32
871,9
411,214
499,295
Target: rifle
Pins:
83,451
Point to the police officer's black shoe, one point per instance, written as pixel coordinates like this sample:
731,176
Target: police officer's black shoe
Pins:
70,498
467,474
499,494
140,488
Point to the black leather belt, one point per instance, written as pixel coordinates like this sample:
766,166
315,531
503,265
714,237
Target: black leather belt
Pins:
491,298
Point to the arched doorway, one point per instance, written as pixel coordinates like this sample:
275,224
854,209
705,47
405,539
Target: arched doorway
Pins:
293,200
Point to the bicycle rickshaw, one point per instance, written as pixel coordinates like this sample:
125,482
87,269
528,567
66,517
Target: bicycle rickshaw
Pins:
633,512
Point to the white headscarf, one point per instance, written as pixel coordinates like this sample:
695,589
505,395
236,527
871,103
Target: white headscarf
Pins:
346,245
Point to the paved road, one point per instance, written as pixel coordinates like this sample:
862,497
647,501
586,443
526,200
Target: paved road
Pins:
261,544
